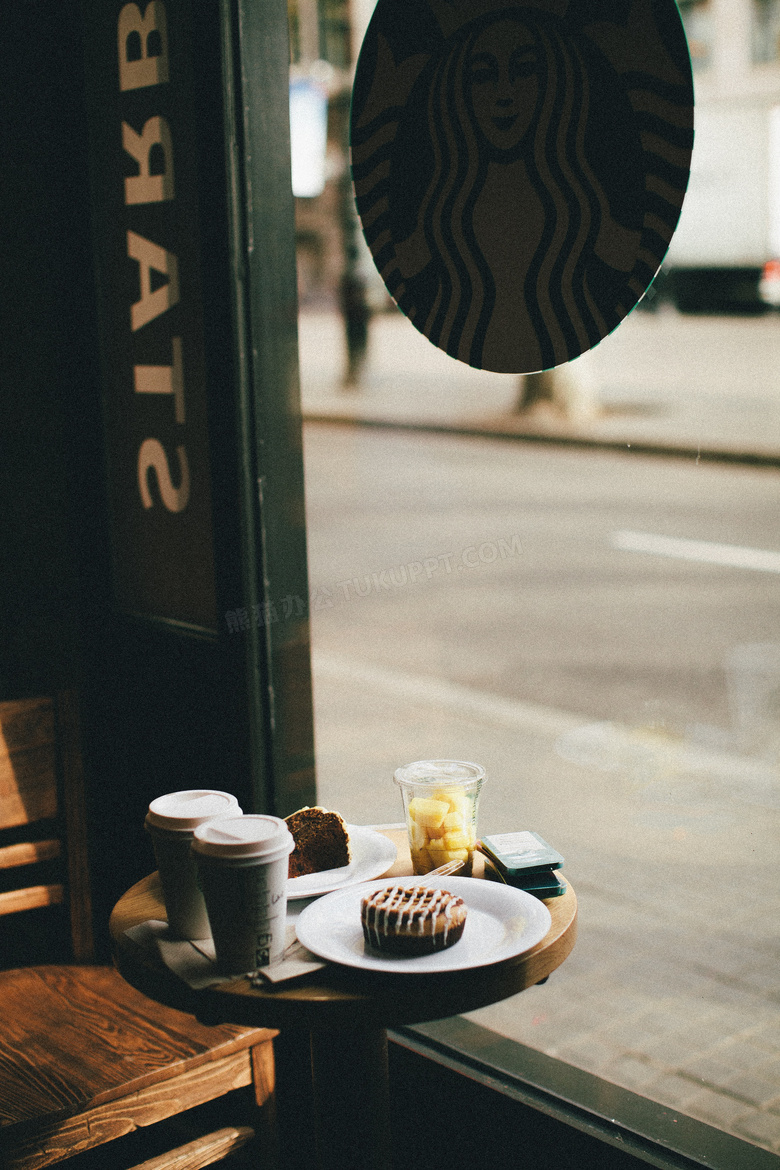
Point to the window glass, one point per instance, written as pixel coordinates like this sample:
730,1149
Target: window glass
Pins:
599,629
582,596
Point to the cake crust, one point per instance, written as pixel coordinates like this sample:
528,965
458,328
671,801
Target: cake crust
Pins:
321,841
412,920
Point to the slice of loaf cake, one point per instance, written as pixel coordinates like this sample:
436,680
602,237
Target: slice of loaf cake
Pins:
321,841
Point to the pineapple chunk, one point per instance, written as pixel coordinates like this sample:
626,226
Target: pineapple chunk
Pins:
441,829
453,823
421,861
442,856
427,813
457,800
418,837
456,841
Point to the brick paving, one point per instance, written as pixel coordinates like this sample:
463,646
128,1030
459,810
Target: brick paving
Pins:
683,1041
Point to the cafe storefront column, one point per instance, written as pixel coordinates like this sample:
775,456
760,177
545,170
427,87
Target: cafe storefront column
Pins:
205,672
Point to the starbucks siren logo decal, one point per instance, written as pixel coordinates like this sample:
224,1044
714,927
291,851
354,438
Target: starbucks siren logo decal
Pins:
519,169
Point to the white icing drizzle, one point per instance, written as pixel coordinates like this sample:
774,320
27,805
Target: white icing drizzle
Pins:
396,909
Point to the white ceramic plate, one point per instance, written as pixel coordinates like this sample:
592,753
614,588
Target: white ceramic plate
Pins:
501,922
372,855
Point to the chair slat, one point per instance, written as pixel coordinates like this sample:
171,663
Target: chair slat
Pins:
28,853
26,723
31,898
28,787
204,1151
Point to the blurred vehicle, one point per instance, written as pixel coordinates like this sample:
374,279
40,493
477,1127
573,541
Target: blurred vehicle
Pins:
721,258
724,253
769,284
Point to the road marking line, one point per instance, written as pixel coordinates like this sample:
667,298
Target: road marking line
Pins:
705,551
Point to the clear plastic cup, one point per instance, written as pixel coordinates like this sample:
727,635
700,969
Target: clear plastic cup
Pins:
440,804
242,867
171,822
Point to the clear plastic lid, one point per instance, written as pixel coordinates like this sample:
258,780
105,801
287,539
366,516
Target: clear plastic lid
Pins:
255,835
182,812
459,772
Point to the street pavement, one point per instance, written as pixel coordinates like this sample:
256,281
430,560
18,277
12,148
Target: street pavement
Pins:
662,381
674,985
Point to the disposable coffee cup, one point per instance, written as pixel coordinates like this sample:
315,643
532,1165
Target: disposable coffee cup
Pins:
171,821
242,868
440,804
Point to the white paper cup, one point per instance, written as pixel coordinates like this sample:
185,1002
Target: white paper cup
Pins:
242,868
171,822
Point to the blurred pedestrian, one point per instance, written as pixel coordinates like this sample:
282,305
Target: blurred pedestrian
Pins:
356,313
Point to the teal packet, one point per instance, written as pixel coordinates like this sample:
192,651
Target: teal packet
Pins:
546,884
517,854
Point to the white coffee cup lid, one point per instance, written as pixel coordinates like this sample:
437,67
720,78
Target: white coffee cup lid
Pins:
184,811
254,835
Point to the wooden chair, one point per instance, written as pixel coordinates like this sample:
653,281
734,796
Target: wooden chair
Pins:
84,1058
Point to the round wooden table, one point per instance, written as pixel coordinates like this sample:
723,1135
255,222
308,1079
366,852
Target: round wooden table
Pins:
346,1010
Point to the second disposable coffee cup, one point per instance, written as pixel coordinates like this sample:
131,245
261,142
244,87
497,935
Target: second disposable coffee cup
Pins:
171,821
242,867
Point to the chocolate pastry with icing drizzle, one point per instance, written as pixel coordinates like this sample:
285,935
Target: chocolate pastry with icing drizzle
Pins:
412,920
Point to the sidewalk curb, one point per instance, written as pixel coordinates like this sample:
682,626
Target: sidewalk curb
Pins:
485,431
